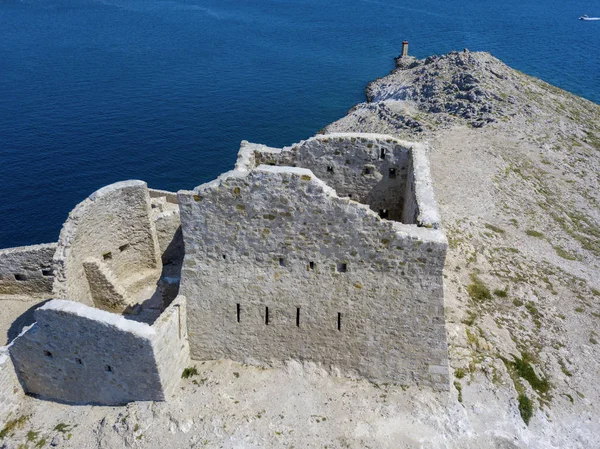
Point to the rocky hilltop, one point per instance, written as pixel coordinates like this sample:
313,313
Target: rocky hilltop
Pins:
516,171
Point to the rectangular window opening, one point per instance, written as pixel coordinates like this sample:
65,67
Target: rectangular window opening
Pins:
342,267
47,272
339,322
367,170
382,155
281,262
107,256
123,247
297,316
392,173
20,277
267,316
383,213
238,312
329,169
311,265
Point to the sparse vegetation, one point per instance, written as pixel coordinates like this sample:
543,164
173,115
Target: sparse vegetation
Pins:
525,408
533,233
564,253
501,293
13,425
496,229
458,387
477,290
190,371
459,373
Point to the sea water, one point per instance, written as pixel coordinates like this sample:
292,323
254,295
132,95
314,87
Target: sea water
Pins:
97,91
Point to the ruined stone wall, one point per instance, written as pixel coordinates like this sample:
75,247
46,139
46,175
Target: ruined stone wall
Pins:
369,168
27,270
11,392
277,266
78,354
113,232
170,344
165,208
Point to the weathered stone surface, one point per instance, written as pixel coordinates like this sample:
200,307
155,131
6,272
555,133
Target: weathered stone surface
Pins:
373,169
114,227
311,276
27,270
78,354
11,392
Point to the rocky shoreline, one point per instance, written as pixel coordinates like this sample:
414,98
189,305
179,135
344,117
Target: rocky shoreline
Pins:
516,171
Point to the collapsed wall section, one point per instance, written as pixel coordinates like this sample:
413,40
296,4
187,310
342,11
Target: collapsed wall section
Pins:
278,267
78,354
368,168
27,270
112,232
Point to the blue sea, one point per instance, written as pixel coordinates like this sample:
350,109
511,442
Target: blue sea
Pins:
97,91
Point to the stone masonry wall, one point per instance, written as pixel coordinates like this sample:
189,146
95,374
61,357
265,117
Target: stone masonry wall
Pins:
278,267
78,354
27,270
11,392
114,228
369,168
170,344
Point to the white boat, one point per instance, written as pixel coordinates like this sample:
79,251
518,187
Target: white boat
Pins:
585,17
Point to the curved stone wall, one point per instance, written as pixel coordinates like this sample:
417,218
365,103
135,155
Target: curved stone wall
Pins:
108,238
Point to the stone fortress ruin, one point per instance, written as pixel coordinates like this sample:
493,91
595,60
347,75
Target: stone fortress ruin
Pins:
327,251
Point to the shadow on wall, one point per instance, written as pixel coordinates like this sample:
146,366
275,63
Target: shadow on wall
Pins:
25,319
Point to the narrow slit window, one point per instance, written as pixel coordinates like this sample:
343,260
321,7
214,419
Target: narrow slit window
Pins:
79,361
281,262
107,256
339,322
238,311
311,266
392,173
382,155
342,267
330,169
108,369
123,247
267,316
224,256
297,316
383,213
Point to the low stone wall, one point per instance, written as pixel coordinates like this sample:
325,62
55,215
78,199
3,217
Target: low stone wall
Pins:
78,354
27,270
114,227
278,267
171,197
11,392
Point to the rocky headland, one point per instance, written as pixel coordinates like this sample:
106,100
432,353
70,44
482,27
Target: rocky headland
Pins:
516,171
